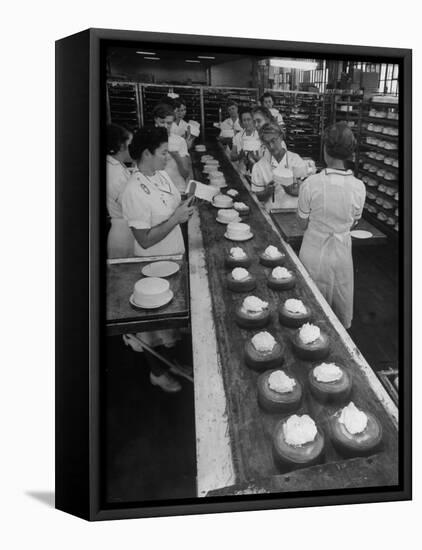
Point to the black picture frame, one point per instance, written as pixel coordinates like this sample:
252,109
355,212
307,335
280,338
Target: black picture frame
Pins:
80,260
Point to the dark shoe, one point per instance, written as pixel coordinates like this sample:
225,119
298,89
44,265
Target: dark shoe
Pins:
166,382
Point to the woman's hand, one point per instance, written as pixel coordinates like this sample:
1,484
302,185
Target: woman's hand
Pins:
184,211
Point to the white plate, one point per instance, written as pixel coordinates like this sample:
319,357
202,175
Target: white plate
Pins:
168,299
245,238
160,269
361,234
215,206
237,220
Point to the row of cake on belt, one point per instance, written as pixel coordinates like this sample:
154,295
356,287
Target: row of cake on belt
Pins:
297,440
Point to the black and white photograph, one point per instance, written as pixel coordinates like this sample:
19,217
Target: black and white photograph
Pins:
251,226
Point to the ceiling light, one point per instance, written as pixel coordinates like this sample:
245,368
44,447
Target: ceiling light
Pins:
146,53
192,61
152,58
294,64
205,57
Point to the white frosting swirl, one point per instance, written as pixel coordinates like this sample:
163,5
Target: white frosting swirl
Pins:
327,372
240,274
354,420
279,382
263,341
309,333
299,430
240,206
232,192
272,252
295,306
237,253
280,273
254,304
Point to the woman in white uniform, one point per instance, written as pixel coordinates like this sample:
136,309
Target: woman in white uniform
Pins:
153,209
276,196
180,127
267,100
230,125
238,152
330,204
178,166
120,238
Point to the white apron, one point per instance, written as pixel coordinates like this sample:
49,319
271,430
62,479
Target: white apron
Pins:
326,252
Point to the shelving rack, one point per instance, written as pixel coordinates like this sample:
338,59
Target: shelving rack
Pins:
123,106
304,115
378,165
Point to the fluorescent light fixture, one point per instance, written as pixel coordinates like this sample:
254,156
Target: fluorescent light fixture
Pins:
205,57
152,58
146,53
294,64
192,61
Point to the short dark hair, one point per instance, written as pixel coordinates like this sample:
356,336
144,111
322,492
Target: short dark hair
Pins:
116,137
264,111
266,94
161,110
271,128
178,102
148,137
339,141
232,102
245,109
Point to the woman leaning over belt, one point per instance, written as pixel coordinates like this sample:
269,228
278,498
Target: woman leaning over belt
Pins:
154,211
277,156
120,238
330,204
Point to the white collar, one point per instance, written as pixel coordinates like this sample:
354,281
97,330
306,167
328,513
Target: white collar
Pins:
282,163
338,171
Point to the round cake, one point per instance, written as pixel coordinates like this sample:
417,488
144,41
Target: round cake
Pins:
232,193
278,392
150,292
208,168
281,278
237,257
293,313
222,201
329,382
272,257
283,176
355,432
227,133
205,158
227,215
238,231
310,343
242,208
253,313
200,148
212,162
297,442
240,280
262,352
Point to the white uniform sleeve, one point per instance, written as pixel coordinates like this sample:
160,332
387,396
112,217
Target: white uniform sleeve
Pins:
261,175
304,202
136,208
359,197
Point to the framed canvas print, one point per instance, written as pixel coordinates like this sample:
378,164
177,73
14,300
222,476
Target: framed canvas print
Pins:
233,274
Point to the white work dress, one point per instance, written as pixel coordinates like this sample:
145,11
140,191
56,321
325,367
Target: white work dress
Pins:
120,239
147,202
332,201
